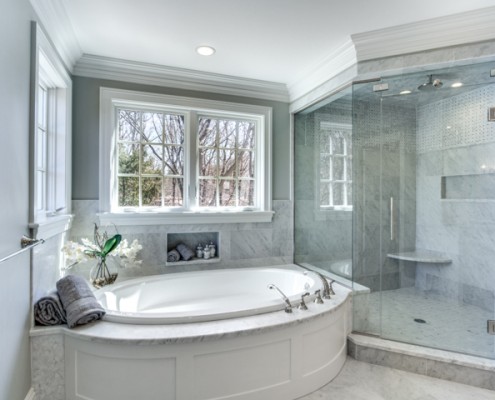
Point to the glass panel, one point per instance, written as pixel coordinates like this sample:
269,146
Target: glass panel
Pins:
152,191
208,162
325,194
246,193
174,129
338,168
338,194
173,192
338,144
207,129
129,123
152,127
174,160
152,159
325,166
226,162
207,192
246,136
227,192
128,191
227,134
128,158
246,164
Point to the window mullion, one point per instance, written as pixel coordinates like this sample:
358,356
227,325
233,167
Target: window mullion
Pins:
191,161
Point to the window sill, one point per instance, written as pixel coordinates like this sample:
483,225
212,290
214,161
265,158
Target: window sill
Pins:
161,218
51,226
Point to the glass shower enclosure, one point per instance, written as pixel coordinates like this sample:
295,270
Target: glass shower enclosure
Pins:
395,192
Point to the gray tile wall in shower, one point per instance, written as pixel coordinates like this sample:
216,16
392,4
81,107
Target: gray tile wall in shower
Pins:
455,138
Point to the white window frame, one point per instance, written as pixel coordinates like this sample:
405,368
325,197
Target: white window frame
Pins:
48,71
342,210
111,99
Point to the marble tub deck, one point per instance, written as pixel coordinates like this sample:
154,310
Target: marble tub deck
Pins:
359,380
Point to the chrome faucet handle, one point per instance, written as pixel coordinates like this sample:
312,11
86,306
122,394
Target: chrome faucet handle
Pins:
303,305
318,299
288,307
330,288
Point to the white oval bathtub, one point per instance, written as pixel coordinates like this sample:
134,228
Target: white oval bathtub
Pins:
203,296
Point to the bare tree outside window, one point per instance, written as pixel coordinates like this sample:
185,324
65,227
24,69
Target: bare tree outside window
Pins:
150,159
226,162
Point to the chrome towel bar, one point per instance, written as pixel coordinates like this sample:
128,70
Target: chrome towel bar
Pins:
26,244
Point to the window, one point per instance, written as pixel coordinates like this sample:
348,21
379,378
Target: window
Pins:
335,167
183,160
50,138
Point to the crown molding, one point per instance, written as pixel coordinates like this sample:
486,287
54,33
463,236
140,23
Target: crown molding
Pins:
55,20
152,74
332,65
451,30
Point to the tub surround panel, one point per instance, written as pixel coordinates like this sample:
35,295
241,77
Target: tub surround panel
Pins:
281,353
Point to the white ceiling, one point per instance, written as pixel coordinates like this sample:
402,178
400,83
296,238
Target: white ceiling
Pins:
272,40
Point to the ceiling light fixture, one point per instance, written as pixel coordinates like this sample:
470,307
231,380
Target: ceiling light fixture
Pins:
456,84
205,50
405,92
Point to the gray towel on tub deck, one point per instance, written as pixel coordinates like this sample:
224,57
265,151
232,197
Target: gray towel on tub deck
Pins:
173,256
185,252
48,310
78,300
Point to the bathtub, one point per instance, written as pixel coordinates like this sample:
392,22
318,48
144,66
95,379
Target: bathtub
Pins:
173,350
203,296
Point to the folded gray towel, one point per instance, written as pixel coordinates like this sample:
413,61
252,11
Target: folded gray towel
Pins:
185,252
48,310
78,300
173,256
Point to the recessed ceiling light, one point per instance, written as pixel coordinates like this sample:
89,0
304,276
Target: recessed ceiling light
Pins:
205,50
456,84
405,92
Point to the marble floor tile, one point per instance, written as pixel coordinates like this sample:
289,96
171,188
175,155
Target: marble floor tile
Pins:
362,381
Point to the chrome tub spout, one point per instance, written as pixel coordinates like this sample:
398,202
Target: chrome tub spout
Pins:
288,307
327,288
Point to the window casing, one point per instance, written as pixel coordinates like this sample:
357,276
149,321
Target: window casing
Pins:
199,160
50,139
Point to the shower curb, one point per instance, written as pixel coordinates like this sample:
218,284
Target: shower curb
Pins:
469,370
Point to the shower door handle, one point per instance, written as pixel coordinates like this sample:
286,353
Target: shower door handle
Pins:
392,220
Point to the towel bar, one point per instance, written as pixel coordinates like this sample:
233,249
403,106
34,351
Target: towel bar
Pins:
26,244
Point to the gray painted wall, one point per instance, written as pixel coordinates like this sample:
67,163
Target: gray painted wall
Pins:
15,376
86,133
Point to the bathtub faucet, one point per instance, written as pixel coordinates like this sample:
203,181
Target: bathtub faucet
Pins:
327,288
288,308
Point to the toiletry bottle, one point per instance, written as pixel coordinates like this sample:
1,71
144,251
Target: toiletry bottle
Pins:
206,252
213,250
199,251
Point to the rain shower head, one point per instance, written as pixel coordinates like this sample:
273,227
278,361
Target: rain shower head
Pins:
431,84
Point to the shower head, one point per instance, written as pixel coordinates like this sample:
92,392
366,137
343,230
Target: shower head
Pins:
431,84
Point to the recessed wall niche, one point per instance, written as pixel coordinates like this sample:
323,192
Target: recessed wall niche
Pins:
468,187
192,240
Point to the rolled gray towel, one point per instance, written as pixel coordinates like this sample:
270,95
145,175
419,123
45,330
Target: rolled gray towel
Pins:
48,310
78,300
185,252
173,256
